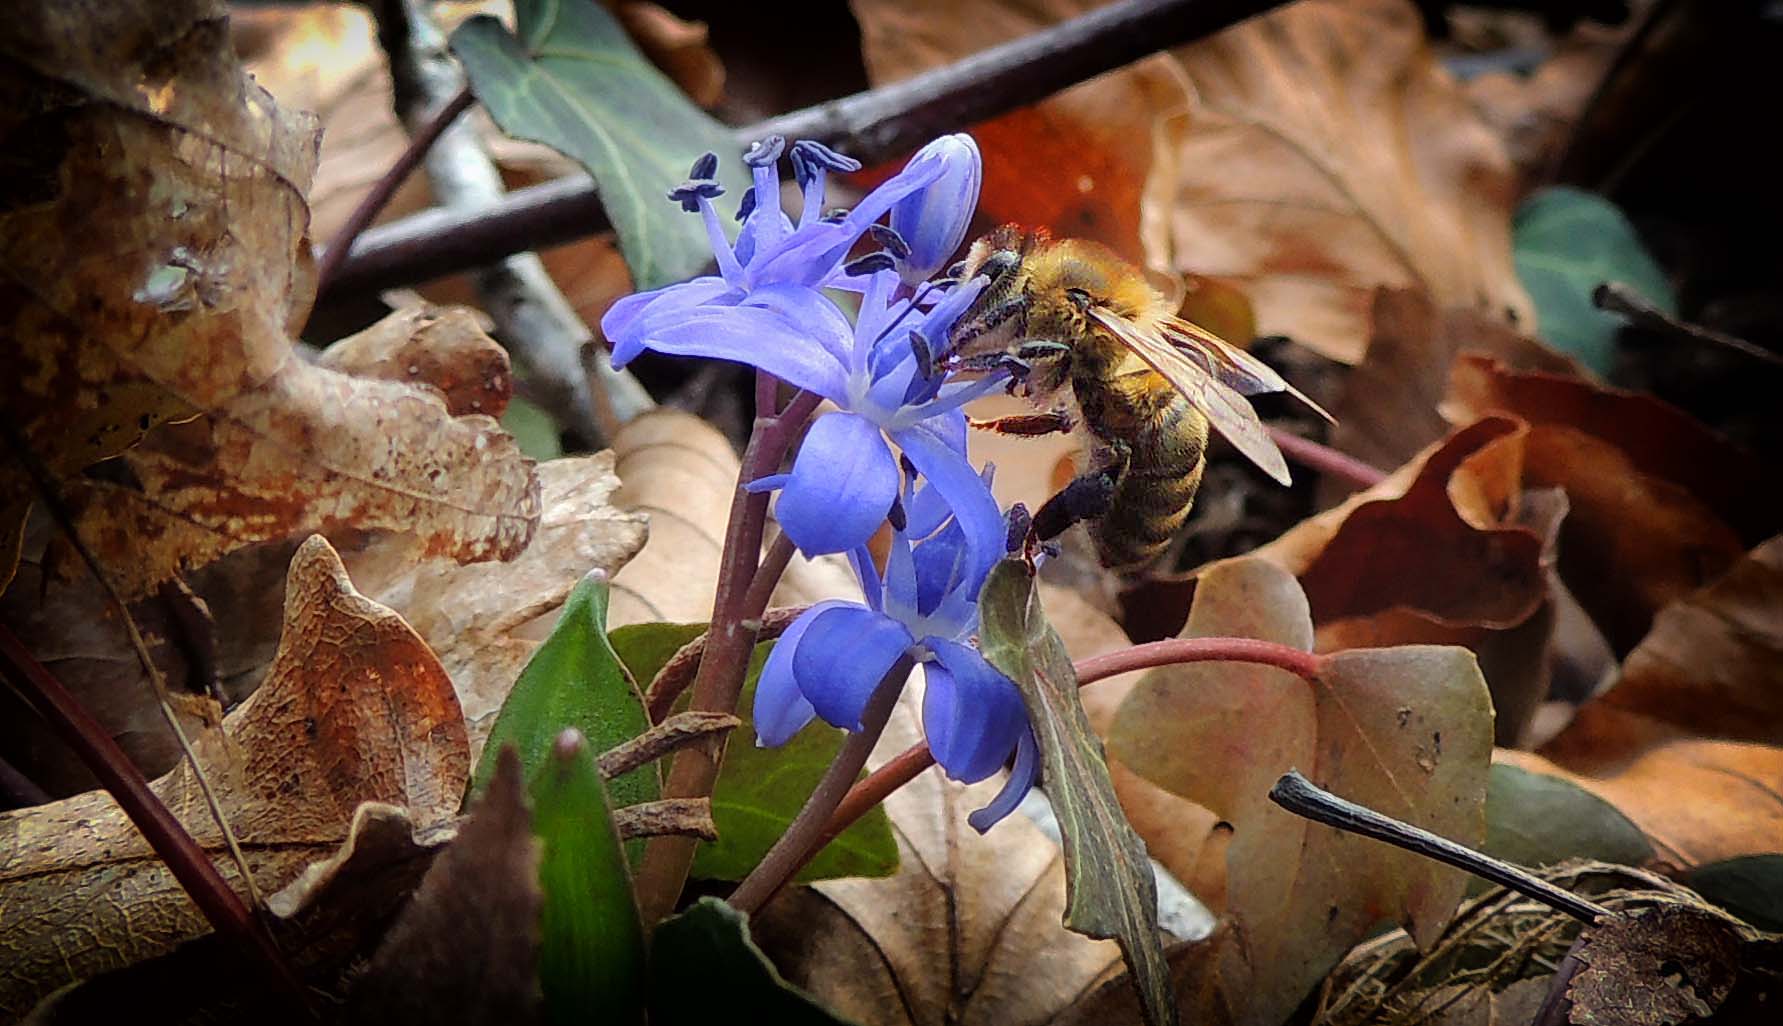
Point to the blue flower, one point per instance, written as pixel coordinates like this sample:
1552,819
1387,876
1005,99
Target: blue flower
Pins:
765,309
832,658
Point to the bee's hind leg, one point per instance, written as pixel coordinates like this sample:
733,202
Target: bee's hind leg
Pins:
1085,498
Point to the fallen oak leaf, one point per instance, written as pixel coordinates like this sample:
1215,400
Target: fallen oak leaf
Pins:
447,347
354,709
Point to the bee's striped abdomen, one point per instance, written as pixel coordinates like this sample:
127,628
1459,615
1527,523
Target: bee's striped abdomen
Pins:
1153,497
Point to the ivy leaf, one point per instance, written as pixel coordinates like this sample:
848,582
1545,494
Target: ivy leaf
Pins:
575,679
1534,819
705,969
591,954
1110,892
573,81
760,790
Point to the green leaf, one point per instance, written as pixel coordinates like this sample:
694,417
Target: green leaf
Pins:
1750,887
574,680
705,969
533,428
591,954
760,790
1534,819
574,81
1110,891
1566,243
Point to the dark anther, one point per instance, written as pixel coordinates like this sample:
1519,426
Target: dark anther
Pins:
957,271
1021,524
925,355
835,215
896,515
765,151
747,207
688,194
869,264
819,155
888,237
705,167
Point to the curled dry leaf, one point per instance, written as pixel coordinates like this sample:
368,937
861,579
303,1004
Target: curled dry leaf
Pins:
1406,730
1660,505
446,347
1688,741
1326,153
681,473
355,709
130,306
679,48
968,931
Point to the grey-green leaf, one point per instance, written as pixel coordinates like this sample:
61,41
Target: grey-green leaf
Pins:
705,969
575,679
1111,893
1534,819
1567,242
1750,886
573,81
591,951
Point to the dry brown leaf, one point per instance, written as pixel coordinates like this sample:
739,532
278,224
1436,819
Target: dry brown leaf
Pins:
1389,406
355,709
443,346
1077,162
968,931
1660,505
1534,114
1327,153
1405,730
681,473
679,48
155,212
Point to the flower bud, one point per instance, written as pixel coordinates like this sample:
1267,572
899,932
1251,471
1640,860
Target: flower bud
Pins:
933,220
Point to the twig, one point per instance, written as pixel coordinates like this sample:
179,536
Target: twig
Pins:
1325,459
1618,298
532,317
676,674
53,504
903,768
375,200
718,683
872,126
677,731
1301,797
670,817
800,841
188,862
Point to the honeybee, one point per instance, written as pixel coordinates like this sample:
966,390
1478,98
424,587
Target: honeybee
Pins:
1101,353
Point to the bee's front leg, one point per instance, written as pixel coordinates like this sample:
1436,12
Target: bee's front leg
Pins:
1026,424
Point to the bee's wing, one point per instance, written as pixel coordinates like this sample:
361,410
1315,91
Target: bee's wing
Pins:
1232,365
1223,406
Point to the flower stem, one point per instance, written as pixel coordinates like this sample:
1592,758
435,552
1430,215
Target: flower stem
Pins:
1326,460
904,767
731,634
803,839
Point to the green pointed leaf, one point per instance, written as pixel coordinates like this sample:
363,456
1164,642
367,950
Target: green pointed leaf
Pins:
1110,891
591,954
1534,819
575,679
1566,243
573,81
760,790
704,969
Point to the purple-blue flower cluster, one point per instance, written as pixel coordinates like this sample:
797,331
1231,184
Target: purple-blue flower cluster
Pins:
767,308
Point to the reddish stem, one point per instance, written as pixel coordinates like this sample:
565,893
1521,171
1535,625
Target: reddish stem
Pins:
1326,460
904,767
379,197
185,858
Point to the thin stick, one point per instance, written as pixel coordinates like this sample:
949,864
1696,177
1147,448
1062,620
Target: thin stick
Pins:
188,861
373,202
904,767
1326,460
1618,298
873,126
676,674
58,510
801,840
1303,798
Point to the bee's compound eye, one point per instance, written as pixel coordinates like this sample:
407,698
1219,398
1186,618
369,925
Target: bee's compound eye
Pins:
1078,296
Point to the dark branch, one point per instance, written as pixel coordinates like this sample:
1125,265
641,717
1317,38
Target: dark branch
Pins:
872,126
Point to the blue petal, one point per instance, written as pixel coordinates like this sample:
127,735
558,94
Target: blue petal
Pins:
965,491
625,324
843,482
941,566
971,714
1021,780
810,312
900,580
747,334
781,710
844,655
934,220
862,560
